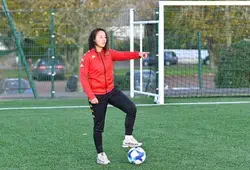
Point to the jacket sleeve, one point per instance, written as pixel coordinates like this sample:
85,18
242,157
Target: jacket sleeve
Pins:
84,77
123,55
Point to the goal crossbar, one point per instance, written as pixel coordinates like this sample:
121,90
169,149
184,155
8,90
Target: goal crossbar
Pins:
204,3
146,22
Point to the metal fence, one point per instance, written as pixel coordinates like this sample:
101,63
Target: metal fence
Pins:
62,33
211,44
193,62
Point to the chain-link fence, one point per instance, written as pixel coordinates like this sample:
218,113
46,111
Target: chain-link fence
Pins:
212,50
206,50
62,33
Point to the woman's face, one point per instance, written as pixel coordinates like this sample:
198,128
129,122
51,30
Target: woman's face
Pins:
100,39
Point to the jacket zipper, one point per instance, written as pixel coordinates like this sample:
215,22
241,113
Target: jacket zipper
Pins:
104,72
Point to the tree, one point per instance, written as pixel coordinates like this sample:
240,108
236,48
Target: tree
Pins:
73,21
233,69
219,26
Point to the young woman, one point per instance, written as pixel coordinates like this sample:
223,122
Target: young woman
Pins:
97,79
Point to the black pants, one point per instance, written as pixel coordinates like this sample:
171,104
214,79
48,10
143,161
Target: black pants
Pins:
119,100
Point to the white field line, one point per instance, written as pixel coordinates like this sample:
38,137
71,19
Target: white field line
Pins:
139,105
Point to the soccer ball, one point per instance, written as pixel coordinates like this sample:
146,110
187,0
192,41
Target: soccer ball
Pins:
136,155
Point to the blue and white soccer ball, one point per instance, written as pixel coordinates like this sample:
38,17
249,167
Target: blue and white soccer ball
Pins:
136,155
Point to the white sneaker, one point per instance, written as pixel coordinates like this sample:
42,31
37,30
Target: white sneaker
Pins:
102,159
130,142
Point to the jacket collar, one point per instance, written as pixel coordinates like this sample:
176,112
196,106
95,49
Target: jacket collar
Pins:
94,50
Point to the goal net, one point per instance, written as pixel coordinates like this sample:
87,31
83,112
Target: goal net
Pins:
144,79
210,40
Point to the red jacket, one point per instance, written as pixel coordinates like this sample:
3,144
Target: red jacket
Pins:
97,70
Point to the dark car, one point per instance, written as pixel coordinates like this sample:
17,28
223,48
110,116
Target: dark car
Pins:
150,61
148,80
11,86
170,58
43,67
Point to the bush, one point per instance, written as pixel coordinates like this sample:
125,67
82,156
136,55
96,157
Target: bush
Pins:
234,66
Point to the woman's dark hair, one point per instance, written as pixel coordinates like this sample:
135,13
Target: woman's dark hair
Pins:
92,37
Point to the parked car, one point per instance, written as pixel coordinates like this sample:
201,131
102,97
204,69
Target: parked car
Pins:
11,86
148,80
170,58
42,69
151,60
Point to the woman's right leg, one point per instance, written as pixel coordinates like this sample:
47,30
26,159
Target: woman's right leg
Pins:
99,114
121,101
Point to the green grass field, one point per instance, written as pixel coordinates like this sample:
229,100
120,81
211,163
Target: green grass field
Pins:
174,136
